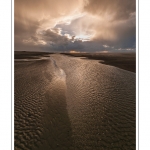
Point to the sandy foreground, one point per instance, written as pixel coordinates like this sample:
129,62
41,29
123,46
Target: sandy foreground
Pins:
70,103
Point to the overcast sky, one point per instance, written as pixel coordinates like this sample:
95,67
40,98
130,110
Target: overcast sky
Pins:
75,25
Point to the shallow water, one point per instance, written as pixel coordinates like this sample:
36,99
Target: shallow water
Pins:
65,102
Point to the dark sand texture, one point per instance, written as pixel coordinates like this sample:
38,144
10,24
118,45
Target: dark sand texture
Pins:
64,103
30,55
126,61
41,118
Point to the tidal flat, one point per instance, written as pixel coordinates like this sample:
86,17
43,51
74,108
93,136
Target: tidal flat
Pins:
64,102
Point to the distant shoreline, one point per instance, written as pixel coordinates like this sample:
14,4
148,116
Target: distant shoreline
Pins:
126,61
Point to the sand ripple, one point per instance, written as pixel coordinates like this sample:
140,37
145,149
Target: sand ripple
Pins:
72,103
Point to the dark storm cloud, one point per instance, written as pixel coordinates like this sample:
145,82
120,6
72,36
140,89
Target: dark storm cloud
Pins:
118,33
33,16
54,37
50,40
116,26
82,25
115,9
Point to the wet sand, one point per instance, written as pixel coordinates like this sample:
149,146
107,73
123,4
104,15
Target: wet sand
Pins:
64,102
126,61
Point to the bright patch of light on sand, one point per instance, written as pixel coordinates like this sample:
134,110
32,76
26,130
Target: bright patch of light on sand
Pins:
73,51
104,51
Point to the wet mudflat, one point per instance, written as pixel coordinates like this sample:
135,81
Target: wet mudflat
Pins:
126,61
63,102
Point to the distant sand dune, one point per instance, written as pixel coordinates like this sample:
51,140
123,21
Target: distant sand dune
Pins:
66,103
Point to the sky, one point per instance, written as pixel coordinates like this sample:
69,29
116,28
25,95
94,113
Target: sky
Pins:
75,25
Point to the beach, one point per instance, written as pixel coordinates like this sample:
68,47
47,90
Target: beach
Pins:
64,102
